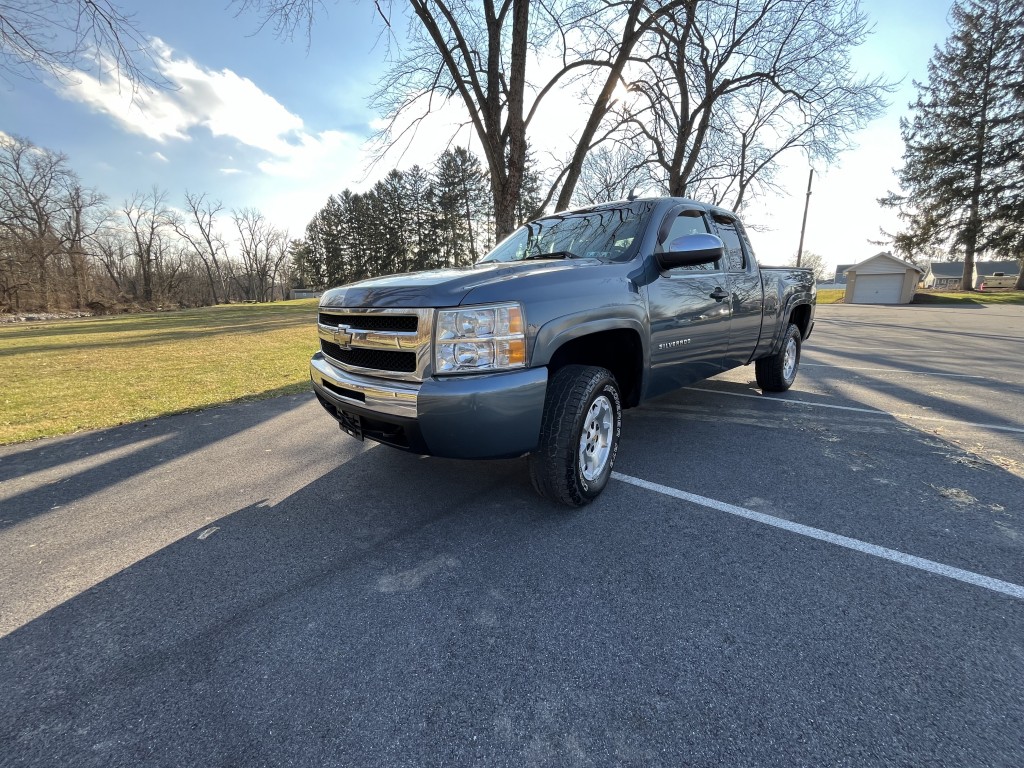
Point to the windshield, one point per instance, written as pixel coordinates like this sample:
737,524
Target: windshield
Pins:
611,234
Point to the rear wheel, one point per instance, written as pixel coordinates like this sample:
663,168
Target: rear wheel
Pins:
579,435
777,372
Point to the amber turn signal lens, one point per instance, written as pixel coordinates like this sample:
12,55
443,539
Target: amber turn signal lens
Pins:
517,352
515,320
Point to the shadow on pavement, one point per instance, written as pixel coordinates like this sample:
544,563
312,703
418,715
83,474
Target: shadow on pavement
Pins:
111,456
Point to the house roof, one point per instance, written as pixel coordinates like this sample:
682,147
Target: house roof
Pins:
956,268
883,257
991,267
947,268
841,270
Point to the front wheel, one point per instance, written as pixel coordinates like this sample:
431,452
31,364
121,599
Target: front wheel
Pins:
777,372
579,435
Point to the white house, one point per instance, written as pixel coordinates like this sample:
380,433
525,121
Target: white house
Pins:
948,274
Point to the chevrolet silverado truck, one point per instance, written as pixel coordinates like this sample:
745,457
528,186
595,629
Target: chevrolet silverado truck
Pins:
539,347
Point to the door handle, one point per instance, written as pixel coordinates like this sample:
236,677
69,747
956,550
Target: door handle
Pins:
719,295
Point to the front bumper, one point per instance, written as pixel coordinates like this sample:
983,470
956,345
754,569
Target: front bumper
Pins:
485,416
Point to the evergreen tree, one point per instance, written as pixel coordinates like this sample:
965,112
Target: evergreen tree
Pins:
324,259
964,160
531,199
307,271
356,243
410,220
391,222
423,231
464,206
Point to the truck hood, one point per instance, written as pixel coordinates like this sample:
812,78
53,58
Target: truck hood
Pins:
442,287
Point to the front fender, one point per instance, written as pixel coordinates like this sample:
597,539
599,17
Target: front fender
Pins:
557,332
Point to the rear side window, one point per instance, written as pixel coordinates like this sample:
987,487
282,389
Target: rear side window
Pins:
689,223
735,259
746,241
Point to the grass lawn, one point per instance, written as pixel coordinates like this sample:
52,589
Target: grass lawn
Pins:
953,297
72,375
831,296
970,297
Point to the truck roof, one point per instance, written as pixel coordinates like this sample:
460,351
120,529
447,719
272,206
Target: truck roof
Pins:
713,209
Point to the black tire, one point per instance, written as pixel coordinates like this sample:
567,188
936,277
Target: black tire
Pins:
777,372
573,460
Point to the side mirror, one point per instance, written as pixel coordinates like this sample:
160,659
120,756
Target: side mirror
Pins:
692,250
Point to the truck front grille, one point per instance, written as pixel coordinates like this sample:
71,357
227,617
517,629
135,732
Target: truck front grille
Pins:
401,323
377,359
391,343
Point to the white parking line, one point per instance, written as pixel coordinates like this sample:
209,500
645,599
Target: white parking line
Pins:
873,411
986,582
852,349
895,370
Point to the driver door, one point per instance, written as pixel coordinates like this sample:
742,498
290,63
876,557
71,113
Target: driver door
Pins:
689,312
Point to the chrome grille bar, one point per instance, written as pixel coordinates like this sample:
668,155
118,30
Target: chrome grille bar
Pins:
339,328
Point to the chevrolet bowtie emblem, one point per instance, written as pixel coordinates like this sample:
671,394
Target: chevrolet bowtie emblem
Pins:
342,337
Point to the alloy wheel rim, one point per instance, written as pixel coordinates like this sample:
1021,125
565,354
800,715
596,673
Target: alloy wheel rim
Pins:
596,439
789,360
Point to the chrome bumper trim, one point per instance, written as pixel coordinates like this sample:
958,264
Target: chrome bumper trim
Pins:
395,398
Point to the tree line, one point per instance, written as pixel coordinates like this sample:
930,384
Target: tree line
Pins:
64,246
409,220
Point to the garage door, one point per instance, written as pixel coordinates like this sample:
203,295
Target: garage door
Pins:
877,289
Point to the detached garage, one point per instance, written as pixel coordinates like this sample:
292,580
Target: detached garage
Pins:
882,279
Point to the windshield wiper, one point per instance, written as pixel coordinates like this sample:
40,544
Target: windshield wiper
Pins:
552,255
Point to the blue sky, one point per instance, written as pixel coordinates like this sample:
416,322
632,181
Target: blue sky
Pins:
267,123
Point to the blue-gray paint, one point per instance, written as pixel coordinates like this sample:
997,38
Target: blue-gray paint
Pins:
681,318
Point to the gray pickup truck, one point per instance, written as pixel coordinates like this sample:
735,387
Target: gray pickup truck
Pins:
539,347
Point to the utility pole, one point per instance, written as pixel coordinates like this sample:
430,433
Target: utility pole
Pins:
803,227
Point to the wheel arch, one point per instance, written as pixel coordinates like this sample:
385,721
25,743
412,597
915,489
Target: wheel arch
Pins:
618,344
799,312
800,315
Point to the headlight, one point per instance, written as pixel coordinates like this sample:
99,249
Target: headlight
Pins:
479,339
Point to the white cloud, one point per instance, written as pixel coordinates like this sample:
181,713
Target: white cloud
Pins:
307,157
160,156
222,102
230,171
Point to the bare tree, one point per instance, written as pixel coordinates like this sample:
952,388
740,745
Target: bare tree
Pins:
612,173
280,262
46,216
263,249
199,231
33,185
814,262
723,91
478,56
55,37
112,248
86,215
149,220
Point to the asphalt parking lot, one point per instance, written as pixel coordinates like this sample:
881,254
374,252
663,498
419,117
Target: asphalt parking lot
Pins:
832,576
